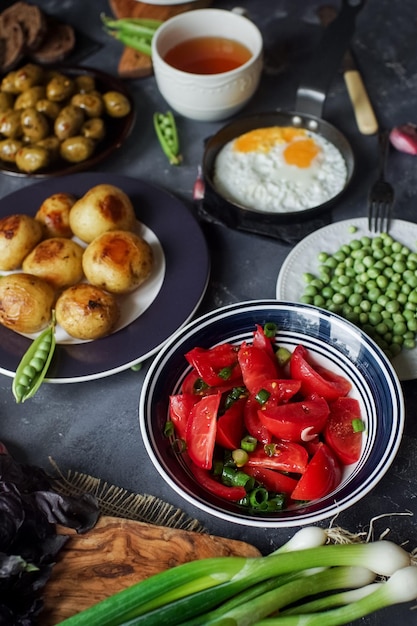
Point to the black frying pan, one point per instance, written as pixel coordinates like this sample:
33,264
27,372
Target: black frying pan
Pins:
311,94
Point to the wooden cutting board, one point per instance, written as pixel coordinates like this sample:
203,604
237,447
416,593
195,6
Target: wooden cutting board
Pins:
117,553
132,63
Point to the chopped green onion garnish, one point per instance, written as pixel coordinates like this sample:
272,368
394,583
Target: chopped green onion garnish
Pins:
169,429
248,443
258,498
235,394
225,373
262,396
283,356
200,385
179,446
358,425
240,457
217,468
270,449
270,329
235,478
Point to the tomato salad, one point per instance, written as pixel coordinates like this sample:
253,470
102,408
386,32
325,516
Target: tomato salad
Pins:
262,426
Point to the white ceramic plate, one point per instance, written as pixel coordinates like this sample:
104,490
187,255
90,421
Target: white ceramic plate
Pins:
303,258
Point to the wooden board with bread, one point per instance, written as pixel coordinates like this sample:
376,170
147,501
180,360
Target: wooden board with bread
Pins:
134,64
117,553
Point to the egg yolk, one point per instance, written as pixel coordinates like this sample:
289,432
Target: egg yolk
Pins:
300,150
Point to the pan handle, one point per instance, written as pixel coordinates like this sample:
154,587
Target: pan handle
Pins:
319,72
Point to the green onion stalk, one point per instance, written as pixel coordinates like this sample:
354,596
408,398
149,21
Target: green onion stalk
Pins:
194,589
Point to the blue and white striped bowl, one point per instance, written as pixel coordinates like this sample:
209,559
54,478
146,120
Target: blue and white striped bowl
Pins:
332,341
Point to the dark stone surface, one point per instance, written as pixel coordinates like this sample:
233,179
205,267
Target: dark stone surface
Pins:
93,426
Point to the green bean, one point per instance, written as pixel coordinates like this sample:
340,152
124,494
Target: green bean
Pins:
166,131
373,283
34,364
133,32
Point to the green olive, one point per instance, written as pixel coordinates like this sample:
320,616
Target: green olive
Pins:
10,124
68,122
28,76
116,104
30,159
52,145
77,149
48,108
9,149
34,124
6,101
59,88
8,83
91,104
84,83
29,97
94,128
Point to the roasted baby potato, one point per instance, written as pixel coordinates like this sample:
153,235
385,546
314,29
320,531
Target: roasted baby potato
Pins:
104,207
19,234
118,261
87,312
53,214
57,260
26,302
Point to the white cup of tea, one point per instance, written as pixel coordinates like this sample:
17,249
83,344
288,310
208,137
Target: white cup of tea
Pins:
207,62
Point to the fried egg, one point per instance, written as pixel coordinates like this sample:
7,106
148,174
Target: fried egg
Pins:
279,169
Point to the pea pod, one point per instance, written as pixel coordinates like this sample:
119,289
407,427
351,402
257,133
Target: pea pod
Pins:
166,131
34,364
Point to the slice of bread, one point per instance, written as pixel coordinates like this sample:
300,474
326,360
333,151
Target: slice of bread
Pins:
31,19
57,44
12,43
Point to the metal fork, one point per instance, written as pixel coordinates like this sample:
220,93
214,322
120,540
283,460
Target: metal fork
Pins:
381,194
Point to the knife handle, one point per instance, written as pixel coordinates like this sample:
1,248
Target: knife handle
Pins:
364,113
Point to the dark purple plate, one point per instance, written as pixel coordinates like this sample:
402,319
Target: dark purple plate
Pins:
187,268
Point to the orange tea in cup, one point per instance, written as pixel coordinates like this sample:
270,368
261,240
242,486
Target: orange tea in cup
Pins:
207,55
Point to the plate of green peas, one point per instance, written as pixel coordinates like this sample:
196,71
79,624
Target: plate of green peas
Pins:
368,278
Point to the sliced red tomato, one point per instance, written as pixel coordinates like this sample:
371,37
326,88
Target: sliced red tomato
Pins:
230,426
260,340
252,422
285,456
201,430
294,420
282,389
272,480
206,480
322,475
212,365
180,406
315,378
256,366
339,433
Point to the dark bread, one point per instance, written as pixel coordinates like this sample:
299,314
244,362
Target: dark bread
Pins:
12,43
26,31
57,44
32,20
